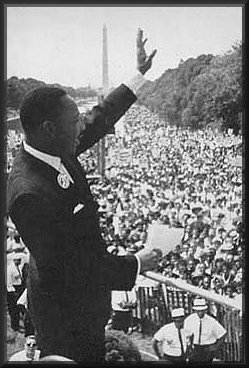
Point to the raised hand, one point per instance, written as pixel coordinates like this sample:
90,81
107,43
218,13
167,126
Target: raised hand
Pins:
144,62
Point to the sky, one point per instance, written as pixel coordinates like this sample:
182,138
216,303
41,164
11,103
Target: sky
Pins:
59,44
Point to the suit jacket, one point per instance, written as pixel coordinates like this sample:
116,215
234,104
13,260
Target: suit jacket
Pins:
71,273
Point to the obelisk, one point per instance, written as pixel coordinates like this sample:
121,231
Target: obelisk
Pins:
105,89
105,80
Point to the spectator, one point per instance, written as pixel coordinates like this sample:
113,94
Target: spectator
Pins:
30,352
15,286
123,302
207,333
171,341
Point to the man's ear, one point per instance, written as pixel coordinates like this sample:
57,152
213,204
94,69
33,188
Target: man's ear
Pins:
49,128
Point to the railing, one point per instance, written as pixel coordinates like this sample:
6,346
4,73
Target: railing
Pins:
156,303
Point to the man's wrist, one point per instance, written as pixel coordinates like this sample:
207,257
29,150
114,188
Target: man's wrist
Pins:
135,82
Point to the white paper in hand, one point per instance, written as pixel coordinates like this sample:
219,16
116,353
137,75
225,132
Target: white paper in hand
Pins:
163,237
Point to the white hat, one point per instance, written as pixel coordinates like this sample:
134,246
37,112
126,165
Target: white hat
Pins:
178,312
216,240
226,246
200,304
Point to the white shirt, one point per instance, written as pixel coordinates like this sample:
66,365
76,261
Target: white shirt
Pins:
21,356
135,82
168,336
121,296
14,278
53,161
211,329
10,244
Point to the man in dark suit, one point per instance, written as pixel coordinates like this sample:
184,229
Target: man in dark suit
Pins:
71,273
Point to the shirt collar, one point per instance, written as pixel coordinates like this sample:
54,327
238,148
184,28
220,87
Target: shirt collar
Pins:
53,161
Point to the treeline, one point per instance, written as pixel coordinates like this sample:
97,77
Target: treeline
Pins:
16,89
200,92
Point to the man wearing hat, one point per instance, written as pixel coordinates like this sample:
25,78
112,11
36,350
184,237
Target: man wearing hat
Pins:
171,341
207,333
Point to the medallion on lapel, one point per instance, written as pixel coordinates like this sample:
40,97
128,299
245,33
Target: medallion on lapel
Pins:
63,180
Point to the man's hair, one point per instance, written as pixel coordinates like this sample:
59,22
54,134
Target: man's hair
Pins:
40,104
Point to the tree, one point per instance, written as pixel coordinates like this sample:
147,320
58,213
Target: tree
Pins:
199,91
226,101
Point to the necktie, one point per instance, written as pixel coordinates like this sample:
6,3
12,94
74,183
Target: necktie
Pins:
180,338
200,330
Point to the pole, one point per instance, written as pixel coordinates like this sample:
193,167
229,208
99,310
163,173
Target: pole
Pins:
101,148
209,295
105,85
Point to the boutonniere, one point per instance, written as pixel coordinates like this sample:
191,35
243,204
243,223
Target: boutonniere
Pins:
63,180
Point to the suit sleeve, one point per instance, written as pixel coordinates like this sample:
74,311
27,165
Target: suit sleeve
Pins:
101,119
119,272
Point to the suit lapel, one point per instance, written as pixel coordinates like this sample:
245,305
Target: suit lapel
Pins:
79,190
50,174
76,171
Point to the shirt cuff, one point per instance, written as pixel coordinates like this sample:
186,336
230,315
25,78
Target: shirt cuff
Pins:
138,265
135,82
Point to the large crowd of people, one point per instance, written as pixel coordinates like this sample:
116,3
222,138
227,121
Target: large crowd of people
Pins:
172,176
183,179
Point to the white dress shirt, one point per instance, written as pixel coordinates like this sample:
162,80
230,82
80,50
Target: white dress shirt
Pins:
14,277
211,329
135,82
21,356
53,161
121,296
168,336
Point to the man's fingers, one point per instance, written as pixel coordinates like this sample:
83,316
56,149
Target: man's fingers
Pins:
152,55
144,42
139,37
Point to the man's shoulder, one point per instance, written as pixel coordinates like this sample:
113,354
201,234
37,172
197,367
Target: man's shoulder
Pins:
164,330
168,326
20,356
21,169
191,317
210,319
28,176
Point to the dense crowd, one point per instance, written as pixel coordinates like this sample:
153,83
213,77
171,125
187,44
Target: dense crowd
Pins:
183,179
176,177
